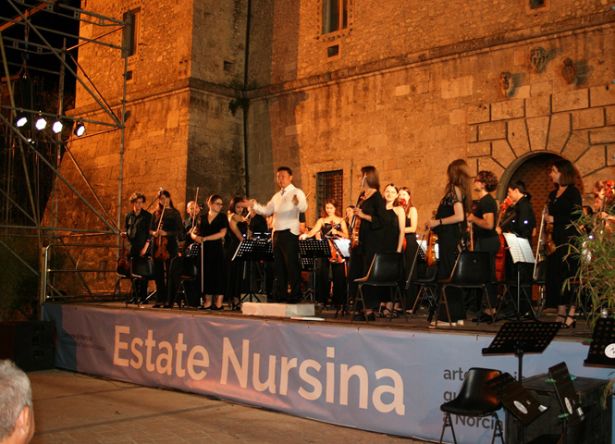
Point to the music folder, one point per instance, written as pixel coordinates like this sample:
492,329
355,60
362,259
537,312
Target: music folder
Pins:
520,249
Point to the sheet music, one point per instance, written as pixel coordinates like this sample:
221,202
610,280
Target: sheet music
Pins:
520,249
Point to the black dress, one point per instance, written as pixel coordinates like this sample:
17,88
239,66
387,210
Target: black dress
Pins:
235,268
167,272
390,228
214,262
486,240
410,255
565,209
371,241
331,276
450,237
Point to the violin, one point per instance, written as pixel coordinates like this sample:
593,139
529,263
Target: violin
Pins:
430,250
500,256
161,251
355,223
336,257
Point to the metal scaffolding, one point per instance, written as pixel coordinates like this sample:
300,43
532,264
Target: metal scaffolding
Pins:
29,40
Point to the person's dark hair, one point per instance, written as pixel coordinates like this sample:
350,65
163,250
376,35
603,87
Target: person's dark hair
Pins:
164,193
409,204
371,176
568,174
135,196
458,176
234,202
488,179
213,198
287,169
520,185
334,203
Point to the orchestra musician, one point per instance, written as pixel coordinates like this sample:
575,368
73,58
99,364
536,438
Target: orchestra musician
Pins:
136,230
519,219
166,230
368,216
209,232
330,226
238,231
411,245
564,204
450,225
393,224
191,257
483,217
285,206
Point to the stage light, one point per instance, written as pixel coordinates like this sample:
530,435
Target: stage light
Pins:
21,121
57,127
79,129
40,123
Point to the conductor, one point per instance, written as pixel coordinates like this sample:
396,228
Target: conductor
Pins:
285,206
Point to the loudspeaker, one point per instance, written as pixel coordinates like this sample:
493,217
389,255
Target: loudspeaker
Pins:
28,343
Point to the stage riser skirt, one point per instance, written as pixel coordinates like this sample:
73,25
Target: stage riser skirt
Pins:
384,380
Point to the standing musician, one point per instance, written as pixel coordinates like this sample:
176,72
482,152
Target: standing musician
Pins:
483,217
136,226
564,206
411,245
519,219
166,231
285,206
393,224
367,236
331,226
209,232
238,231
192,259
450,225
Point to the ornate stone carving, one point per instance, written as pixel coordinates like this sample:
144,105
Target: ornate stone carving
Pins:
507,84
538,59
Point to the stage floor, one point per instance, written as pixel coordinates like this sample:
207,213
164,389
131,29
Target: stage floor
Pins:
412,322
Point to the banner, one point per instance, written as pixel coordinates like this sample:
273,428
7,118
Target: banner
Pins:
380,379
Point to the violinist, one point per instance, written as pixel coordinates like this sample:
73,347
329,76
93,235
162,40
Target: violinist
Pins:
192,259
166,230
369,216
209,232
564,205
483,217
330,226
519,219
136,226
411,245
450,225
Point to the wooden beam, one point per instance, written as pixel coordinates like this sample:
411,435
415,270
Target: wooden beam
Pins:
29,13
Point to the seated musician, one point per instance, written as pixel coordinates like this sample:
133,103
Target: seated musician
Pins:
330,226
136,226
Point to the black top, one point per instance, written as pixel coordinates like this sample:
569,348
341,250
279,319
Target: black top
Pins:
205,228
446,209
390,225
371,233
564,209
485,205
519,219
137,230
173,225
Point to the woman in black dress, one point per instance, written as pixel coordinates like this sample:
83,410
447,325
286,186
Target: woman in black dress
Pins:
332,272
450,226
238,231
166,236
483,218
210,231
564,205
369,216
411,245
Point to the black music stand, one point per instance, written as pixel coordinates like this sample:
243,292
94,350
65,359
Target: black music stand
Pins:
309,251
250,251
602,347
521,337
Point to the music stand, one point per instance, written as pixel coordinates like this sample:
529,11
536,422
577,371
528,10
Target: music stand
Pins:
253,250
521,337
602,347
521,253
309,251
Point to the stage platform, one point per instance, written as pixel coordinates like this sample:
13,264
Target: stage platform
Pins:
388,376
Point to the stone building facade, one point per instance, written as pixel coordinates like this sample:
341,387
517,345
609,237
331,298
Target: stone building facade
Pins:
332,85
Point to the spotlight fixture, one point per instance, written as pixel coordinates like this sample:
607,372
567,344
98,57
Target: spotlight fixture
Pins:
57,127
40,123
79,129
21,121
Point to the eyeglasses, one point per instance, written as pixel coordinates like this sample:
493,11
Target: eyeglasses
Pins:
218,203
